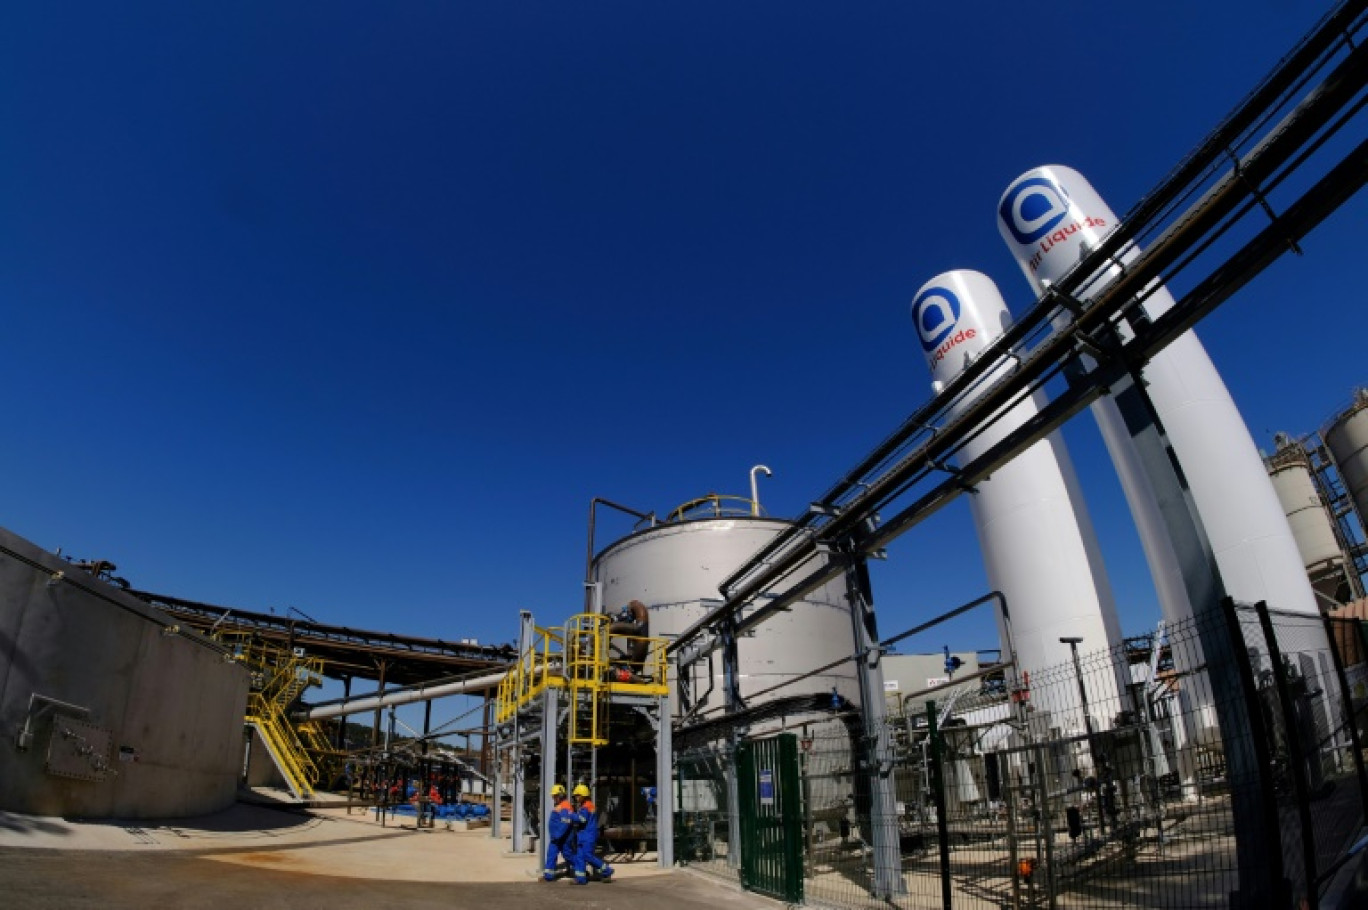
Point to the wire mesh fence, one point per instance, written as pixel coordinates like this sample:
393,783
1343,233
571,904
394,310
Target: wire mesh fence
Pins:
1120,778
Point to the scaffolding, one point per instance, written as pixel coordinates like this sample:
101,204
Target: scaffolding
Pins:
571,690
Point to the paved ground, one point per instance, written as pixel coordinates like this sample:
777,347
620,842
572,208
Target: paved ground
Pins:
266,858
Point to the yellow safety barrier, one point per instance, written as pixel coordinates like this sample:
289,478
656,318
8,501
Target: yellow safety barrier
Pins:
278,677
583,658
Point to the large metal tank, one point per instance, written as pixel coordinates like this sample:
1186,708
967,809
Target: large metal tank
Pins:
1312,527
675,569
1347,439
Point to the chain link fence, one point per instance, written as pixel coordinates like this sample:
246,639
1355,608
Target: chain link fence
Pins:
1120,778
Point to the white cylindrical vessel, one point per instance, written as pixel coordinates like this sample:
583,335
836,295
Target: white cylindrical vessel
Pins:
1312,527
1038,543
1347,439
1050,217
675,569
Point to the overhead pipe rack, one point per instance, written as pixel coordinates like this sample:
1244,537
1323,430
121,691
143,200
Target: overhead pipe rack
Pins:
843,523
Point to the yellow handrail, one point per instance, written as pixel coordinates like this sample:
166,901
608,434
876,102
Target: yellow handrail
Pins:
585,665
717,506
299,771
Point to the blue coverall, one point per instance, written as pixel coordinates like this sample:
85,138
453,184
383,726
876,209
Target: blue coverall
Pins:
586,819
560,837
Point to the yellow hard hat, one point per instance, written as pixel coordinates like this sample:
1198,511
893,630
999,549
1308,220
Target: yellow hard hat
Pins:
581,790
557,790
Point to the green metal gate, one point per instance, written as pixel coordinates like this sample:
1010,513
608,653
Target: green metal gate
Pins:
771,808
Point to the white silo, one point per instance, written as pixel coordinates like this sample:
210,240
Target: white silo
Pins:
1038,543
1347,439
1049,217
675,568
1312,527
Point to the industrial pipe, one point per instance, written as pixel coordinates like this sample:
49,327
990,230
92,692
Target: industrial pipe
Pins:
401,697
755,490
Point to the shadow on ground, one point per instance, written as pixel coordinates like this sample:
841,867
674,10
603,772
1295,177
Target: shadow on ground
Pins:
85,880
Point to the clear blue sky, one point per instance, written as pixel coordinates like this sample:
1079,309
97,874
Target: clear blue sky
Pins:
353,307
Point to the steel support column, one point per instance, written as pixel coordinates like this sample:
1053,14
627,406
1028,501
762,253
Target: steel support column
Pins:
878,745
665,794
496,819
1258,848
549,720
526,633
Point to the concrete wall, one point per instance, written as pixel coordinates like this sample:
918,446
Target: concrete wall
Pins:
165,713
261,768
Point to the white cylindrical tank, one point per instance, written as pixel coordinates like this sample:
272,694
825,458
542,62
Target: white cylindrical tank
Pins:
675,569
1049,217
1347,439
1038,543
1312,526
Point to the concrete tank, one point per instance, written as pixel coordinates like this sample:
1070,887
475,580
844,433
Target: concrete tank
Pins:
676,568
1347,439
108,709
1312,526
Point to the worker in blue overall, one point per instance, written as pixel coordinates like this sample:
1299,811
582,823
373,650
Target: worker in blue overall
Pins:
560,837
587,831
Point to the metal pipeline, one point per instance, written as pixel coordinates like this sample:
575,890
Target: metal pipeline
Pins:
1196,225
589,557
401,697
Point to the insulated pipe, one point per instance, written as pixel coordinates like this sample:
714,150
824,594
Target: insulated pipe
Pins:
1201,219
755,490
1283,80
401,697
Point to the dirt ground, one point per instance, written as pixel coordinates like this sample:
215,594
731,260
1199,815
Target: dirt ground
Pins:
76,880
258,858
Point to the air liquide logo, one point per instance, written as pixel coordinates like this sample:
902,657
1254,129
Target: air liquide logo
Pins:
1036,212
936,311
1032,207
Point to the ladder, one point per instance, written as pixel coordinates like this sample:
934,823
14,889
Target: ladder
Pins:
586,692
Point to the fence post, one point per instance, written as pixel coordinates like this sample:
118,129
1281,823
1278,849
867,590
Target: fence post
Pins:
938,794
1297,755
1013,855
1043,824
1347,706
1268,886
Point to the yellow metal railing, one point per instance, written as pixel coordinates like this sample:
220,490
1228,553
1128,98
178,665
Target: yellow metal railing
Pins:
537,668
582,657
644,678
716,505
315,739
298,769
278,677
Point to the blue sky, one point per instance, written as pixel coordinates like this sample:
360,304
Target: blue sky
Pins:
353,307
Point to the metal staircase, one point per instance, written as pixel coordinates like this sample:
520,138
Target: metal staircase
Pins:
586,671
278,678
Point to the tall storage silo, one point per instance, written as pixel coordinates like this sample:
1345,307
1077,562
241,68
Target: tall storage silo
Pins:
1312,527
1347,439
1048,217
1038,542
675,568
